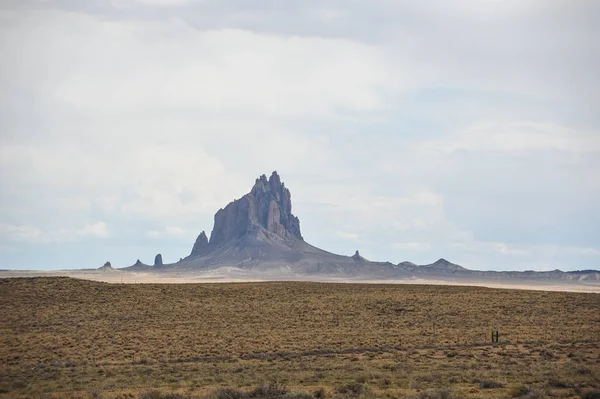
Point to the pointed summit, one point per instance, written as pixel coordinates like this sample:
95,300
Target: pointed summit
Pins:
443,264
106,266
357,256
200,245
267,208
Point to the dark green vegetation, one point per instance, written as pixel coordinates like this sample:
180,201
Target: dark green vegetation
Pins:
62,337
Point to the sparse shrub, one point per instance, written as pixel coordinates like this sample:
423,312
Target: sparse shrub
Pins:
591,394
353,389
228,393
487,384
527,392
320,393
298,395
94,394
173,396
269,390
583,371
18,384
555,383
520,391
152,394
434,394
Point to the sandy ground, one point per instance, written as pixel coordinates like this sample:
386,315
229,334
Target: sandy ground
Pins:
236,275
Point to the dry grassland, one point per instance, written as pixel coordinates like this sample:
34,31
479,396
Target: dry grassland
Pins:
61,337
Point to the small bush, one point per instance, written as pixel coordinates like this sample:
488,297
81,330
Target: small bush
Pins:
94,394
228,393
433,394
173,396
354,389
320,393
555,383
298,395
487,384
153,394
527,392
19,384
591,394
520,391
269,390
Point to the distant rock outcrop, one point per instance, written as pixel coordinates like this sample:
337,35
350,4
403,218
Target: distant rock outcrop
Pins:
267,207
407,265
201,245
258,232
445,266
106,266
357,256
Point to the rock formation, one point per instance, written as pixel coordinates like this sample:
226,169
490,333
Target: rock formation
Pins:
107,266
268,207
259,233
201,245
357,256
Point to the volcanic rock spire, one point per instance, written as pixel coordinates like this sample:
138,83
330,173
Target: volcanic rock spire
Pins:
268,207
200,245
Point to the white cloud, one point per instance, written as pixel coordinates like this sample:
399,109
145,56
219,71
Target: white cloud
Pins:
153,234
517,136
37,235
153,3
412,246
349,236
168,231
155,113
96,229
168,65
175,231
21,233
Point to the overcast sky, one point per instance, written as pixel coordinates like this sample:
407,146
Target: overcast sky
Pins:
410,130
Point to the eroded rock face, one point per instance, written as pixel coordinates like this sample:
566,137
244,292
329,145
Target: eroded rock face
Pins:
200,245
158,260
267,206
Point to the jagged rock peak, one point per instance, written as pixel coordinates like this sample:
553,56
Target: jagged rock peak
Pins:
357,256
200,245
158,260
442,262
268,207
138,263
107,265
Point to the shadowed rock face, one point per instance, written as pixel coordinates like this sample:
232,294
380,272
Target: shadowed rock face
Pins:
201,245
107,265
158,260
268,207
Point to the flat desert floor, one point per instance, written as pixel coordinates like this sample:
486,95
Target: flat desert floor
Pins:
230,275
64,337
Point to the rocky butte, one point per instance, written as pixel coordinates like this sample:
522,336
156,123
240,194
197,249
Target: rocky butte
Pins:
258,232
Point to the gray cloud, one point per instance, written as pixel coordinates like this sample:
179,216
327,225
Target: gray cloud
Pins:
461,130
